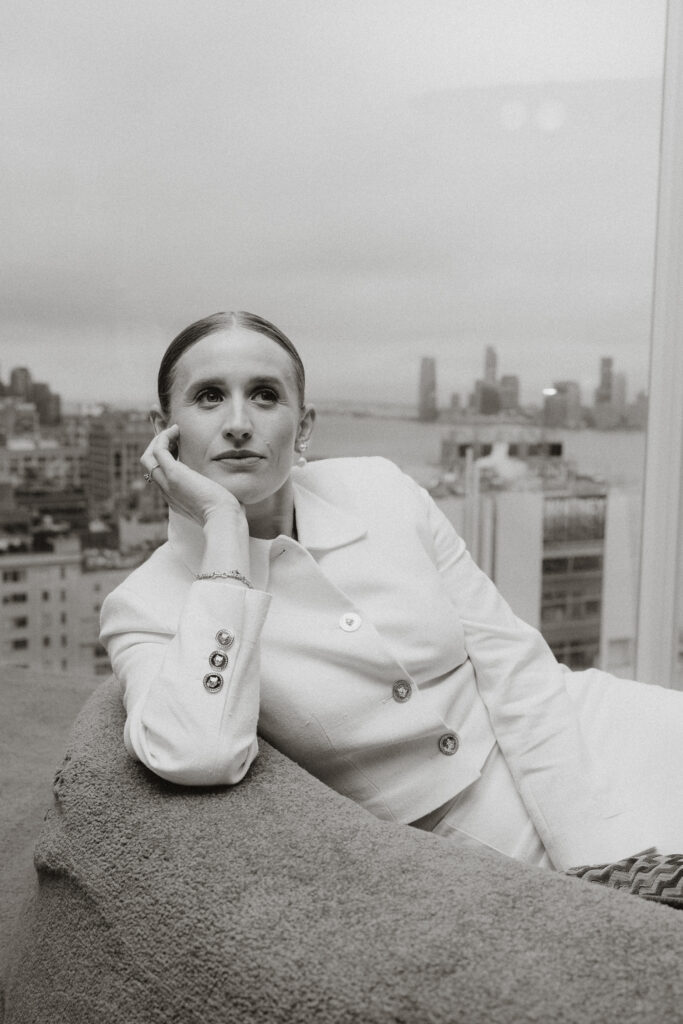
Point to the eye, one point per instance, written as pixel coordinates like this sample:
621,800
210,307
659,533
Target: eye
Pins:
209,396
266,396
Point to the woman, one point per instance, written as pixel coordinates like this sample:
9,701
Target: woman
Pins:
333,607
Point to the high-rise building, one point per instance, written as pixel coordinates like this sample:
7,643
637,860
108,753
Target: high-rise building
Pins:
17,418
508,391
20,382
426,405
553,544
609,410
619,395
485,399
49,405
41,460
572,576
116,442
490,366
603,392
562,405
636,412
50,606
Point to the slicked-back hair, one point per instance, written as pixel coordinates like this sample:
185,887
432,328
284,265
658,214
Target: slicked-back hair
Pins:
211,325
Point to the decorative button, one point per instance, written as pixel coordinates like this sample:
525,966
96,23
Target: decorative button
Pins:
448,743
401,691
350,622
213,682
218,659
225,637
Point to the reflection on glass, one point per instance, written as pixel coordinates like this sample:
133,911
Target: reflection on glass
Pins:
530,406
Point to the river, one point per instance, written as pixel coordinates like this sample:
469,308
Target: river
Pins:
617,456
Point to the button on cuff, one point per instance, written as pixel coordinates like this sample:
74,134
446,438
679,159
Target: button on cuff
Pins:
213,682
225,638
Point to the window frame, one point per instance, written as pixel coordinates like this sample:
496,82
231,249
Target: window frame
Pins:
658,611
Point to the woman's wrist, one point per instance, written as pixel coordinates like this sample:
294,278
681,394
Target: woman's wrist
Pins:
226,546
228,513
232,576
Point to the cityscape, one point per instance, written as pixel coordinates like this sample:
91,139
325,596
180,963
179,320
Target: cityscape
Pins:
563,406
76,516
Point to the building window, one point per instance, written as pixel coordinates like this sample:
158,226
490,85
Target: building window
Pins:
64,664
62,595
62,618
20,622
577,653
19,644
45,595
555,565
13,576
62,572
46,641
587,563
15,599
64,641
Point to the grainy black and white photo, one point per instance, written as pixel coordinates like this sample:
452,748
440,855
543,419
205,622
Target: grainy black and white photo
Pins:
341,512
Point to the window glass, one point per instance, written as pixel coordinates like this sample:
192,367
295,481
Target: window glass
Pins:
449,206
509,372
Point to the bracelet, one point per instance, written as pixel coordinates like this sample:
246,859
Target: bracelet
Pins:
232,575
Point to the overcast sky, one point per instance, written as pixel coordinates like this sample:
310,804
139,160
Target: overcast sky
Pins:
384,179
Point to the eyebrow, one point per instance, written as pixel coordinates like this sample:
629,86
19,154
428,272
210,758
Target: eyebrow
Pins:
218,381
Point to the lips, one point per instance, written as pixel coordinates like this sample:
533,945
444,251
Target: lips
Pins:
239,458
237,454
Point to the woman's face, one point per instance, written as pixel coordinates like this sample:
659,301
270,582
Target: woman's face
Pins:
236,403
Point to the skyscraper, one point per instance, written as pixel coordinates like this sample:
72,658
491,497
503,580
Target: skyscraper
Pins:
20,382
509,392
490,366
604,391
562,407
610,397
619,395
426,403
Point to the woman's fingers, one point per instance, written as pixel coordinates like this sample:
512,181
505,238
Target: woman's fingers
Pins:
158,451
184,489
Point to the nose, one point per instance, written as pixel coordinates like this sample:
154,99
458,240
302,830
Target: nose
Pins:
237,423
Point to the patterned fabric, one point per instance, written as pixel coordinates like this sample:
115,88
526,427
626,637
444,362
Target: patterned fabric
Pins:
654,876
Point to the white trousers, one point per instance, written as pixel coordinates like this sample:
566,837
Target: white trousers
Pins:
490,814
633,732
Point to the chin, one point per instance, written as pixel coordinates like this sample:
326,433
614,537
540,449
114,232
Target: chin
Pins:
247,492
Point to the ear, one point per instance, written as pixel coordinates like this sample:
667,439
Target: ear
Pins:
306,422
157,419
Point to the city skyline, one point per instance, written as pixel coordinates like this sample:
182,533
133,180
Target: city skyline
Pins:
471,175
430,398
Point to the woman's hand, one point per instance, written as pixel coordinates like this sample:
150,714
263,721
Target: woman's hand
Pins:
185,490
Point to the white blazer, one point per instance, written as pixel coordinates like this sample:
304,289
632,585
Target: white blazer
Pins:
373,651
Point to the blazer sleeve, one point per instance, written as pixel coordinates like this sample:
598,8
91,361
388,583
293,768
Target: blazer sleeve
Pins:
180,729
533,718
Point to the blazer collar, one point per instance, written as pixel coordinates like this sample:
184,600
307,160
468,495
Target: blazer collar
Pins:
321,526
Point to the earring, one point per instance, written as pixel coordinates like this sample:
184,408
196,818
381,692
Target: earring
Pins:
301,447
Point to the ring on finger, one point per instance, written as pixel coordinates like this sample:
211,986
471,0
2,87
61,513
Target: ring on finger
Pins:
147,477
